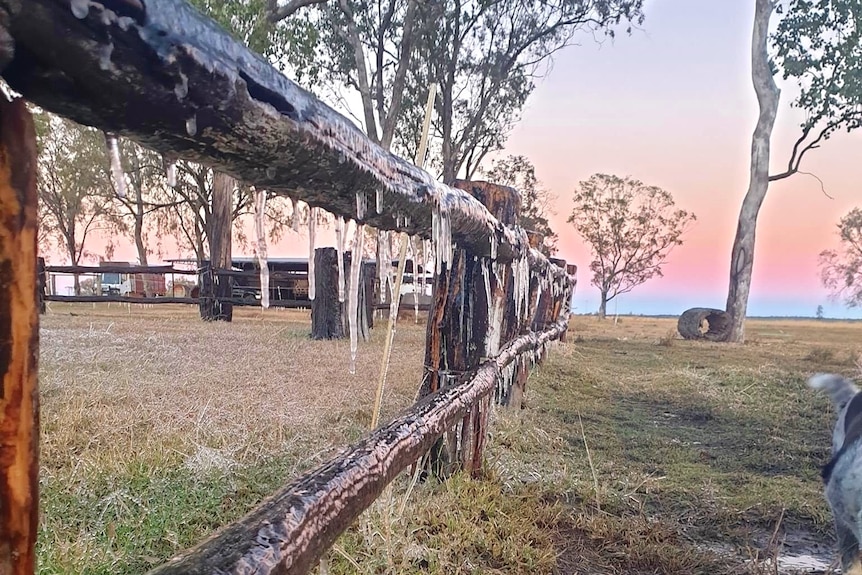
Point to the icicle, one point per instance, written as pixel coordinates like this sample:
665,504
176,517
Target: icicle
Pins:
116,166
394,298
353,296
312,225
424,280
493,246
361,205
442,235
415,259
379,201
80,8
181,88
339,243
192,126
260,229
486,275
382,263
295,215
171,172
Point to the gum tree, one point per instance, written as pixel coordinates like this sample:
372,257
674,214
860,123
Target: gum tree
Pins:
841,269
817,44
630,228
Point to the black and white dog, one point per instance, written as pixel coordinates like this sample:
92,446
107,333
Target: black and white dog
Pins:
843,474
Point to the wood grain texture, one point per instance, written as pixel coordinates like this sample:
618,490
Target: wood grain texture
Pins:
19,341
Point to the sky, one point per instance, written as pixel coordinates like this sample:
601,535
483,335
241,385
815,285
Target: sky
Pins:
672,105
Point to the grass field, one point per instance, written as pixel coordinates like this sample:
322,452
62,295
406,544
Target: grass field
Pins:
637,452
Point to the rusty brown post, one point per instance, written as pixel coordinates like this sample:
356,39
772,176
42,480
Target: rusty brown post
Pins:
19,341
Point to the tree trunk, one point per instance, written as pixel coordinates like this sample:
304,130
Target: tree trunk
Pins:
603,306
139,239
219,235
142,251
742,256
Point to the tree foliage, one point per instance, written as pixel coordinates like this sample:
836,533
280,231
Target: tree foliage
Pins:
630,227
818,45
486,58
841,269
519,173
359,47
289,45
75,192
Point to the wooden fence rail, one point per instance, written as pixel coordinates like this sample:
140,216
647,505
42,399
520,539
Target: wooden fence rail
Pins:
161,73
289,531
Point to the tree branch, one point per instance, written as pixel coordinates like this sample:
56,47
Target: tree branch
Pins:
276,13
796,160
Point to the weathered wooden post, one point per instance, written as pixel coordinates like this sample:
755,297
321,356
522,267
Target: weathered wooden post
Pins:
368,273
326,311
459,330
19,341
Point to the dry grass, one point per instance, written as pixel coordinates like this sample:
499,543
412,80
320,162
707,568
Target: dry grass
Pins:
158,429
133,394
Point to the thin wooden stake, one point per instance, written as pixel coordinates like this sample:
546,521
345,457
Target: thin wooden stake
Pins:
402,257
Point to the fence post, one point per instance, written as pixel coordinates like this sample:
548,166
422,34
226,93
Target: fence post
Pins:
214,289
41,283
19,341
459,334
368,274
326,310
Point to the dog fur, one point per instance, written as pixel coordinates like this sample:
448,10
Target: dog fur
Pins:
843,474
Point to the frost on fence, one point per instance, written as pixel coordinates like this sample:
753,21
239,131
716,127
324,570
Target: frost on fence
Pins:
312,227
260,230
353,296
117,174
339,247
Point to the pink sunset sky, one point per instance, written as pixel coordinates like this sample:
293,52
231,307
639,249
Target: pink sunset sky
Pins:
672,105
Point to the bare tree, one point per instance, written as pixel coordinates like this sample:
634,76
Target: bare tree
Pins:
817,43
75,193
841,269
630,227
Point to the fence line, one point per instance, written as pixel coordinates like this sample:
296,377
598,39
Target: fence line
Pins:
200,95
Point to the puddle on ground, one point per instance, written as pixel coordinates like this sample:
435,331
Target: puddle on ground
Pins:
800,553
802,563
